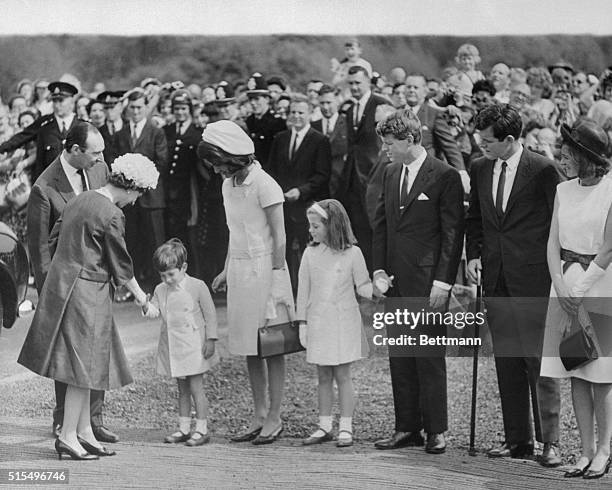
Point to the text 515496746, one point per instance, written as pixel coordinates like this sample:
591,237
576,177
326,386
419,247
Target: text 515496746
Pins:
33,476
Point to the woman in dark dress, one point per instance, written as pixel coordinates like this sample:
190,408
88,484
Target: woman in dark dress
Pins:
73,337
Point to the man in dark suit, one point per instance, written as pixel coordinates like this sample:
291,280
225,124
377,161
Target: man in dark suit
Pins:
300,161
262,124
418,239
363,148
49,131
78,168
183,138
144,229
511,205
333,125
113,109
437,137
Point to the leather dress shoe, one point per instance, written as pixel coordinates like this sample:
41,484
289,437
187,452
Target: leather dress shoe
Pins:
309,441
436,444
400,439
97,451
200,441
57,430
517,451
246,436
591,474
551,455
102,434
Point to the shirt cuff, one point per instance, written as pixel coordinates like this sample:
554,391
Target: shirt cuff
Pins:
443,285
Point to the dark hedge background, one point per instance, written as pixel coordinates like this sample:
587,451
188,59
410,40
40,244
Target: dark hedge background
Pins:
121,62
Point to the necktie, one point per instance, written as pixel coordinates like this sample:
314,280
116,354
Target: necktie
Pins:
499,197
111,128
325,123
356,118
404,190
294,147
178,129
64,130
81,172
134,135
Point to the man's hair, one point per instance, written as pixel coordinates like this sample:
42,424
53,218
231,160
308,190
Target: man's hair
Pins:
78,134
398,84
353,70
503,119
327,89
483,86
297,98
136,94
170,255
400,125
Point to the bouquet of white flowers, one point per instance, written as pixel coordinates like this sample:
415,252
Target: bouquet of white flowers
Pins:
134,171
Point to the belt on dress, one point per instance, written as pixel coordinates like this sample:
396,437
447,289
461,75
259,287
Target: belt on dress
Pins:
570,257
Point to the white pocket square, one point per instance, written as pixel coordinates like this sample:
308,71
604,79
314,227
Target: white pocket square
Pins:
422,197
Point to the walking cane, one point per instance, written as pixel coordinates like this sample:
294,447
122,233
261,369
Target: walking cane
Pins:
477,308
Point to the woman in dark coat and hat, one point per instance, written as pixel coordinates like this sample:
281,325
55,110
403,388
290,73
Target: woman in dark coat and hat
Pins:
73,337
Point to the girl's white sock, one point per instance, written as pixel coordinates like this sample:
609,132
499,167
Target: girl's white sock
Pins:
325,423
185,424
346,423
201,426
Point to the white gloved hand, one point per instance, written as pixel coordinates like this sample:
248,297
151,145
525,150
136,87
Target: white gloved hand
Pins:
590,277
279,290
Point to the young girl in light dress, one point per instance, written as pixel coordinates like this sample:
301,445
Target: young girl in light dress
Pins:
330,321
187,337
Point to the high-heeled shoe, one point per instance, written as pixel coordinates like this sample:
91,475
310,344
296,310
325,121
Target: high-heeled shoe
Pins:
270,438
591,475
576,472
91,449
63,448
246,436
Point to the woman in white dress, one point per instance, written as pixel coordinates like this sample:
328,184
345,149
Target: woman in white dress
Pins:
255,272
579,257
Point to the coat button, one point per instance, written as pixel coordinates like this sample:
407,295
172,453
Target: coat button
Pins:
173,164
177,148
176,157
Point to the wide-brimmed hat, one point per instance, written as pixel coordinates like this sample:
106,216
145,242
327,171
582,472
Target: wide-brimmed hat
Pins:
228,136
181,97
588,137
110,97
257,85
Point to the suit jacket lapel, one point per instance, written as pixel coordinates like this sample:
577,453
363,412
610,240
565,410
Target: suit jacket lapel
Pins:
304,142
487,179
62,183
524,174
420,183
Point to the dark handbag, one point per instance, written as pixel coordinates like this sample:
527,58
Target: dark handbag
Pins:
279,339
580,347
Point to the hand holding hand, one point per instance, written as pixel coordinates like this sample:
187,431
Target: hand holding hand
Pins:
381,284
473,268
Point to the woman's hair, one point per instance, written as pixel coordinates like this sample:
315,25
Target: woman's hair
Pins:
587,167
92,103
216,156
33,113
339,231
170,255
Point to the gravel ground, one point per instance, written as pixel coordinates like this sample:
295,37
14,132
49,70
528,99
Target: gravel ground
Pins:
151,401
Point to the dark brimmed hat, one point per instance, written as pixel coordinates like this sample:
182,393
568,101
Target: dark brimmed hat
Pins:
563,65
588,137
150,81
224,92
59,90
181,96
110,97
257,85
277,81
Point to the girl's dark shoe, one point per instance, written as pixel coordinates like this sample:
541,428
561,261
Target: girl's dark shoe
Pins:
269,439
63,448
176,438
246,436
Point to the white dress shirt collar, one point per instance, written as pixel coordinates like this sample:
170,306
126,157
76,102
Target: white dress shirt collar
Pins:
139,127
68,120
71,173
328,125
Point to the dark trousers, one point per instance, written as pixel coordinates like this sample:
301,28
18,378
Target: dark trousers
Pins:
96,405
356,210
297,236
517,326
144,232
419,393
